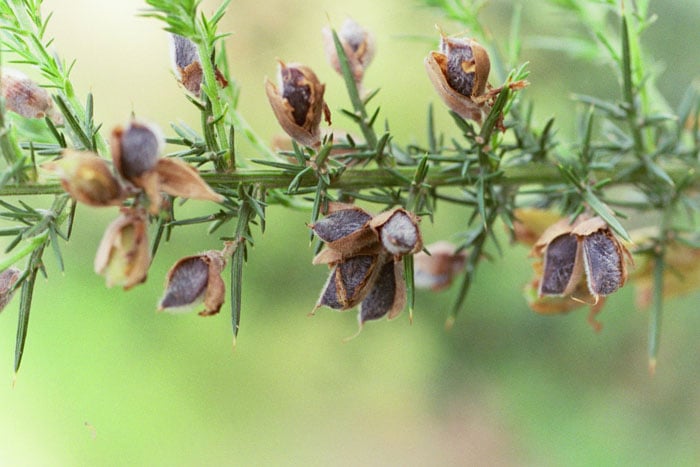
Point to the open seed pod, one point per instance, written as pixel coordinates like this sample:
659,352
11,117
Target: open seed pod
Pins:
398,231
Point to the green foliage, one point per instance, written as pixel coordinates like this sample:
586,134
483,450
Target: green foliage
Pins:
633,156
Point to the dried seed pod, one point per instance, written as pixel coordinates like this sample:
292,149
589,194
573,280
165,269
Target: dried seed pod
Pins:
346,230
604,256
186,63
358,45
459,73
8,279
25,97
87,178
398,231
194,279
387,296
124,255
349,282
437,270
298,103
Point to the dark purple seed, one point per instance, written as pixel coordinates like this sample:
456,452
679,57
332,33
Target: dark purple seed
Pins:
602,261
380,299
187,283
340,224
459,55
139,150
559,261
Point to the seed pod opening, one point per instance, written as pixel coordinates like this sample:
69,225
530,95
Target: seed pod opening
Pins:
186,63
193,280
298,103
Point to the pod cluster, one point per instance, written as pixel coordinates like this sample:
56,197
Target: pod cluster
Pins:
364,253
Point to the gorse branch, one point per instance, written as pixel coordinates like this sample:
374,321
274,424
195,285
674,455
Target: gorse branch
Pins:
633,157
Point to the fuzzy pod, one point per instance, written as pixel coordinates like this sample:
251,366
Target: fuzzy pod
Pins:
186,63
193,280
398,231
604,256
25,97
297,102
87,178
435,271
124,255
8,279
358,45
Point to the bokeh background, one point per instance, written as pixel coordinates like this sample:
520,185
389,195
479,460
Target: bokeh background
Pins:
107,381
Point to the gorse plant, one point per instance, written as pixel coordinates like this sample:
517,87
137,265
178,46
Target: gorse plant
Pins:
633,156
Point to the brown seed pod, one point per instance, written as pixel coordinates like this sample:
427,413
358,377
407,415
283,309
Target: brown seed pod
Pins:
124,256
193,280
358,45
8,279
177,178
87,178
25,97
398,231
437,270
298,103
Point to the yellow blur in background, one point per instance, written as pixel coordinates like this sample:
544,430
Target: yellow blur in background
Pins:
107,381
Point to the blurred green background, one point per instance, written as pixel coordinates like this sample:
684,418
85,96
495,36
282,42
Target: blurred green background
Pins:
107,381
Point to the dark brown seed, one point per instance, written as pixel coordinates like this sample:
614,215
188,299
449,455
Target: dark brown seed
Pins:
559,263
460,67
603,263
297,92
187,283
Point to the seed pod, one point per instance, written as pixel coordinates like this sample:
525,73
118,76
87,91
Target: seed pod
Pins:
562,266
437,270
349,282
604,257
25,97
124,256
459,72
136,149
398,231
358,45
346,230
298,103
8,279
194,279
87,178
387,296
186,63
